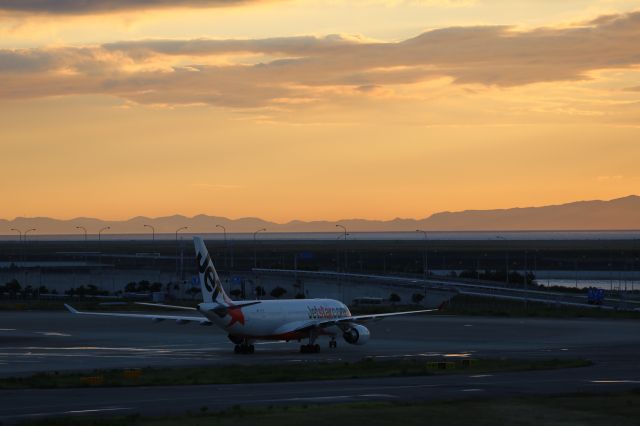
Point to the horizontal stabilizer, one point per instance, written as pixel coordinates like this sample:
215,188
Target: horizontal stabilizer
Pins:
154,317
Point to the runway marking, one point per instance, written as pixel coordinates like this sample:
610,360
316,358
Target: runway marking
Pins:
614,381
423,355
472,390
52,333
378,395
96,410
53,413
7,329
317,398
480,376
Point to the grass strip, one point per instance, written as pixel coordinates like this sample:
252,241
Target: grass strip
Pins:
237,374
620,409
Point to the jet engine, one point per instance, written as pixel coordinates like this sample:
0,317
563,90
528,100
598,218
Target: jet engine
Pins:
356,334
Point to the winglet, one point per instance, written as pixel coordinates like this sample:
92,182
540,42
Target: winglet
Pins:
71,309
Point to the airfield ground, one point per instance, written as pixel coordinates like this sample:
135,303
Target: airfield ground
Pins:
58,341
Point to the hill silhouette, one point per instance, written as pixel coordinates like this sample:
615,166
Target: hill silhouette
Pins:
617,214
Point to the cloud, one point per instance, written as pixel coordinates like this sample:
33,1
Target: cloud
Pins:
80,7
175,72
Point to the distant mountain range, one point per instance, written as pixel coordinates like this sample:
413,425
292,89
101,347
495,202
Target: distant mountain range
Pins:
618,214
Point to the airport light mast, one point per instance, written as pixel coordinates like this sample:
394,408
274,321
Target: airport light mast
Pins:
506,257
26,232
85,232
153,232
226,248
177,231
425,257
103,229
255,247
344,229
19,233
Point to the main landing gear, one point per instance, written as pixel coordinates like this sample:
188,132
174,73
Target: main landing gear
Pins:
310,349
244,349
314,348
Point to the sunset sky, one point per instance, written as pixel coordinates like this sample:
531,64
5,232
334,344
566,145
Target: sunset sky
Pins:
323,109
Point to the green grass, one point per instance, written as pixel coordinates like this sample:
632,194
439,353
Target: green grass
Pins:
620,409
234,374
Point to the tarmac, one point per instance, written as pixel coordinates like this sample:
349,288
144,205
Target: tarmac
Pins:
33,342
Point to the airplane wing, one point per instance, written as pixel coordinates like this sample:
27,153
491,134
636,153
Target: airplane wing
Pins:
161,305
373,317
344,321
236,305
155,317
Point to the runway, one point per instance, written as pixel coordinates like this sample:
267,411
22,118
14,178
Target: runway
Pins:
58,341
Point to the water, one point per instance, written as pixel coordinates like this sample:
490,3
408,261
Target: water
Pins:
603,284
360,236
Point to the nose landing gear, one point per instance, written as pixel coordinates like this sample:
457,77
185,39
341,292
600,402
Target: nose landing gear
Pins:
244,348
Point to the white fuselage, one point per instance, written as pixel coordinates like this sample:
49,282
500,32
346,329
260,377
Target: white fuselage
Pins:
269,319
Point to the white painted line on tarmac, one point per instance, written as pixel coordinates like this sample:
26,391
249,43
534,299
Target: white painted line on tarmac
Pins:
472,390
58,413
53,333
378,395
318,398
96,410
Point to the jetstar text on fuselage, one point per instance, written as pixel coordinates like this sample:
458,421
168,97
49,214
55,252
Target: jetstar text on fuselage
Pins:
321,312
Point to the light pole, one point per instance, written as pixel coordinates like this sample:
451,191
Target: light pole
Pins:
178,230
26,232
153,232
425,259
255,247
344,229
506,256
226,248
101,231
19,232
85,232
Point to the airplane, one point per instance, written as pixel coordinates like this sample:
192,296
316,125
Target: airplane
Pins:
266,320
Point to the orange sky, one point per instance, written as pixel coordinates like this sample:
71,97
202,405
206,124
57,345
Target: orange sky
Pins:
316,110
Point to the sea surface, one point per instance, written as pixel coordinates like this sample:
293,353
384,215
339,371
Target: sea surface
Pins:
361,236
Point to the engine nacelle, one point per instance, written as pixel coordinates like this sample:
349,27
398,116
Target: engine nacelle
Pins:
357,335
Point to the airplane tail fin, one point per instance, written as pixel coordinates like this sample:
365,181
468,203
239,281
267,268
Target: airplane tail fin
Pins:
210,284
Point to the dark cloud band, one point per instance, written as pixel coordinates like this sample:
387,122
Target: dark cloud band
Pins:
78,7
302,67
